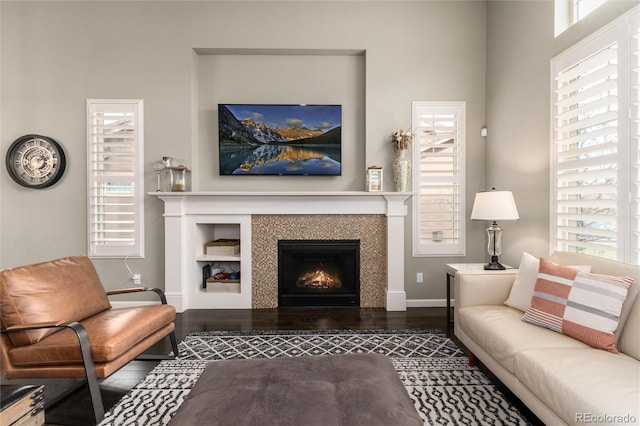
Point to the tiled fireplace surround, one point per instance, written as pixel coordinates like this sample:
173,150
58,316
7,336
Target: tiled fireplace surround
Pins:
376,219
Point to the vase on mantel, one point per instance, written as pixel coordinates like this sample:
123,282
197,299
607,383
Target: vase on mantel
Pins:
401,169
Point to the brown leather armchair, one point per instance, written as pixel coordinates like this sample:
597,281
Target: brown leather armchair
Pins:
57,322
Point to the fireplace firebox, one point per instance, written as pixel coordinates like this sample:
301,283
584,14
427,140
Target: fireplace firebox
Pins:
319,273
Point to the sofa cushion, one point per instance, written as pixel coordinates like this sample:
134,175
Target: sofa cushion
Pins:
522,289
600,265
501,332
111,334
67,289
583,382
586,307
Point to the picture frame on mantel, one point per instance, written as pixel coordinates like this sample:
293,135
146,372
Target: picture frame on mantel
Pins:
374,179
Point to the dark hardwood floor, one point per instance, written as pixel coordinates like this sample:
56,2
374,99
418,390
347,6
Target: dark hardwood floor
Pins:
75,409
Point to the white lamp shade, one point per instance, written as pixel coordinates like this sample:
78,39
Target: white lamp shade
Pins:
494,205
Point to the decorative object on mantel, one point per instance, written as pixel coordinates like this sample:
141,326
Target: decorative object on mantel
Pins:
159,166
170,178
401,141
374,178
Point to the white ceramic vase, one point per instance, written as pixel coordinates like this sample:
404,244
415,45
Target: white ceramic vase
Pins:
401,170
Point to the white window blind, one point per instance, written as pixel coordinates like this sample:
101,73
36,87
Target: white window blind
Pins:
115,178
438,173
595,146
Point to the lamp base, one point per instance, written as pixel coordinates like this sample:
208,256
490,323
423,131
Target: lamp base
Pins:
494,265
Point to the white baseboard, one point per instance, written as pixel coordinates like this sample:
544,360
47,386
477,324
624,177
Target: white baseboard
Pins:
428,303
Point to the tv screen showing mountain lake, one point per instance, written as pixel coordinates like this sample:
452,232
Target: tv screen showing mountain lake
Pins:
280,139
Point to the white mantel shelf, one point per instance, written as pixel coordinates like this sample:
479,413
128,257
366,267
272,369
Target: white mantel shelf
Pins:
283,193
342,202
182,210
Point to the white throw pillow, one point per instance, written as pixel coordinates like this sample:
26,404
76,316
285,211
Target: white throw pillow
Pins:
522,290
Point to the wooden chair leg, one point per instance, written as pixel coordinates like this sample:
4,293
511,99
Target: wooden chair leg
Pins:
472,359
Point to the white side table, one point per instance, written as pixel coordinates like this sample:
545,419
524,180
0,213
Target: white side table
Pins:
452,268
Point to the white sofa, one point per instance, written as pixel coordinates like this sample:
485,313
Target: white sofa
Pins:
560,379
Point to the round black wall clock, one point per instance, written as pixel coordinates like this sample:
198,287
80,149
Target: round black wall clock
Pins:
35,161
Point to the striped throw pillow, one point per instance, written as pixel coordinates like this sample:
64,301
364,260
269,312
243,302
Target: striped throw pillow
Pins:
583,306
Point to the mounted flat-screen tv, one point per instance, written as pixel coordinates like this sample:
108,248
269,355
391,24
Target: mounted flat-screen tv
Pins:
259,139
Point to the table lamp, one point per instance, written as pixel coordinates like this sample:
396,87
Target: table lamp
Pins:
494,205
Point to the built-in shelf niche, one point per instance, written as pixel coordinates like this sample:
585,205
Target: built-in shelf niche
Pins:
231,263
200,230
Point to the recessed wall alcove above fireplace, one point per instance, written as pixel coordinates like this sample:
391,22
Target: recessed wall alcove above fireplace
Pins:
259,220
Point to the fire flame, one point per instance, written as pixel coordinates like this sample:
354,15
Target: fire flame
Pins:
318,279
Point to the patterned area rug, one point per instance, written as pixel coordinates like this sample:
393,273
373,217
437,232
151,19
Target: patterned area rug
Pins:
444,389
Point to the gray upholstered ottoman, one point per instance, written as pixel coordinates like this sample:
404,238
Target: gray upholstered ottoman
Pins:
333,390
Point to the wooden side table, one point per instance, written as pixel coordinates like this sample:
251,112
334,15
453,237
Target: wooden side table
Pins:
22,405
452,268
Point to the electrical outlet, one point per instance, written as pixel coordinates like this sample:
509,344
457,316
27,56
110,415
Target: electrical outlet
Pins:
419,277
136,279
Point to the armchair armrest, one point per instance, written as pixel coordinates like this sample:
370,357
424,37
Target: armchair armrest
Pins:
158,291
127,290
75,326
32,326
483,288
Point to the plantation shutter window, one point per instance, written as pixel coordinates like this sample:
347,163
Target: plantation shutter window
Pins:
438,174
115,178
595,145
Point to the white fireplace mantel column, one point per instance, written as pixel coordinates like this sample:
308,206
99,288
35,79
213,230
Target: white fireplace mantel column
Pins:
181,207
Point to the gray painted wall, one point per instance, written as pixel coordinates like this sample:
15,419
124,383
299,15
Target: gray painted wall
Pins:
520,46
493,55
